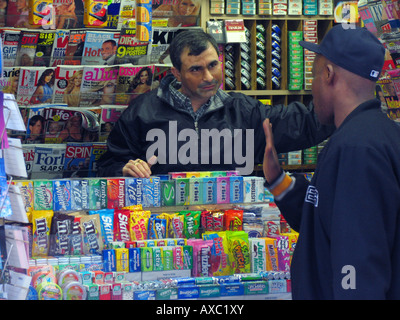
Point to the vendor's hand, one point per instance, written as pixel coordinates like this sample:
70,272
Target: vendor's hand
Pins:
139,168
271,165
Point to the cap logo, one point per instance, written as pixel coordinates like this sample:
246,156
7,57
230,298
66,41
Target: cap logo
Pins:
374,74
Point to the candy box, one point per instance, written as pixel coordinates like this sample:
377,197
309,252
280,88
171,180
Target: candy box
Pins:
116,291
134,260
144,295
146,255
109,260
223,189
43,194
80,194
196,190
209,190
167,294
26,190
277,286
121,255
255,287
168,192
92,291
231,289
209,291
133,191
115,193
151,192
98,193
182,186
158,259
257,254
62,195
105,291
236,189
188,292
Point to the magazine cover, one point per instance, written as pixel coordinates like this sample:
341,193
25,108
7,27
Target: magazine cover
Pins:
44,48
9,82
64,124
29,155
180,13
97,150
77,159
162,38
27,48
132,81
67,85
98,85
100,47
17,14
74,50
48,161
113,12
109,116
59,48
131,50
127,12
10,46
35,85
69,13
35,125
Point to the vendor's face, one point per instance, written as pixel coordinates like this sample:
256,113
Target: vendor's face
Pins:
321,100
201,75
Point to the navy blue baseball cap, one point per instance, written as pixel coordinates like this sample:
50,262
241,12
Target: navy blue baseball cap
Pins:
355,49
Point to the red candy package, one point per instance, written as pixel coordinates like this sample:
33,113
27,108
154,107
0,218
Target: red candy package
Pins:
233,220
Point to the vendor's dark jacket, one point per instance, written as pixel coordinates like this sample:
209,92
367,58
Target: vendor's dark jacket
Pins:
152,118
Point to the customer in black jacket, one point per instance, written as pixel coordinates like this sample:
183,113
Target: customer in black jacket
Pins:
348,216
190,124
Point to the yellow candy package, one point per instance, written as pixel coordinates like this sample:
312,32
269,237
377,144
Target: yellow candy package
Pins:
91,231
239,253
138,224
41,223
219,253
136,207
